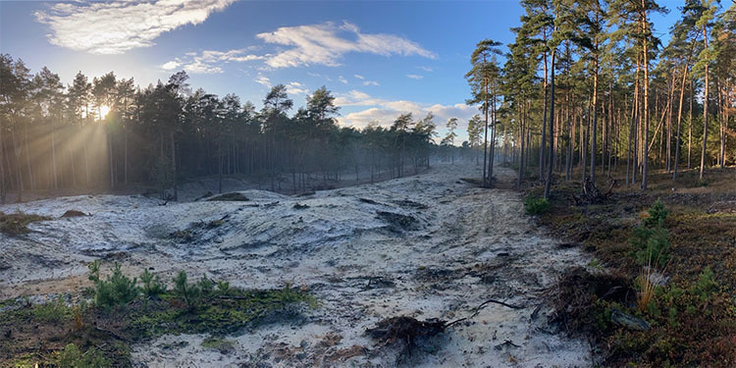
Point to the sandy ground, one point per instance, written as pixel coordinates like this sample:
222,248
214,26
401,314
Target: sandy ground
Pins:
427,246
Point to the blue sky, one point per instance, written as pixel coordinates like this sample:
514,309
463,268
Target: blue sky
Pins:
379,58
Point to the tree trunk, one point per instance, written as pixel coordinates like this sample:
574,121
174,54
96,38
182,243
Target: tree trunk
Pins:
543,143
690,126
173,165
548,184
679,120
705,108
53,156
645,156
593,134
3,187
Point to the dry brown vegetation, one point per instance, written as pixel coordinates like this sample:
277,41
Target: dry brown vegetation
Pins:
15,224
693,314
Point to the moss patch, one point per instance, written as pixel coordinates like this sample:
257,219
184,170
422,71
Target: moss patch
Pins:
16,224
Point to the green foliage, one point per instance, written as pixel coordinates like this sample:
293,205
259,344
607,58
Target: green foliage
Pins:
650,241
189,293
535,206
226,314
116,290
223,287
94,270
705,286
53,311
72,357
206,286
657,214
221,345
651,246
152,284
15,224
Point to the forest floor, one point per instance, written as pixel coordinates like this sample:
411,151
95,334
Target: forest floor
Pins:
426,246
692,311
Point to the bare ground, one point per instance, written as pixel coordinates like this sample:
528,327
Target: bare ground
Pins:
428,246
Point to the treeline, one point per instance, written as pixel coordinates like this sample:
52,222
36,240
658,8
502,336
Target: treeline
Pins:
588,89
108,132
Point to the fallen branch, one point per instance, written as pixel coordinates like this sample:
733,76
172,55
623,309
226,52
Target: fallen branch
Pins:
480,307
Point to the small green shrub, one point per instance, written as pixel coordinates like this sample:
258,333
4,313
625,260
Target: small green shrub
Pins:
206,286
650,241
657,214
189,293
152,284
72,357
705,286
223,287
535,206
53,311
116,290
651,246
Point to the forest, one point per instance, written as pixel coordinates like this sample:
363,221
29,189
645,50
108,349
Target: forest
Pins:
583,87
110,133
588,87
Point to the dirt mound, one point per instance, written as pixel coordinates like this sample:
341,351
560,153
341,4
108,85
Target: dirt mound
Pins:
73,213
576,296
398,222
405,329
231,197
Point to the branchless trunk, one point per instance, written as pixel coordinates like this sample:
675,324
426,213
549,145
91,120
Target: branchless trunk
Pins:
645,156
485,130
173,165
705,107
3,188
521,143
593,134
548,184
53,155
633,150
679,113
690,126
542,145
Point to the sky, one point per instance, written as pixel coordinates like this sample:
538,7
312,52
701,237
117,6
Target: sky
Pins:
378,58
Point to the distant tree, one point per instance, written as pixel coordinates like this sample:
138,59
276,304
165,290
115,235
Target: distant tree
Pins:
482,76
475,129
451,135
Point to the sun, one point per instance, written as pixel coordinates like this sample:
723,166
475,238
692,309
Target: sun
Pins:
104,109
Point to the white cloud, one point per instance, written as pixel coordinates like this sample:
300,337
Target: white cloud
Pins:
263,80
202,68
237,55
116,27
342,79
296,88
415,76
426,68
370,83
386,111
210,61
358,76
325,44
171,65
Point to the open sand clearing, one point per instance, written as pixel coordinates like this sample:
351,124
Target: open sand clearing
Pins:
427,246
